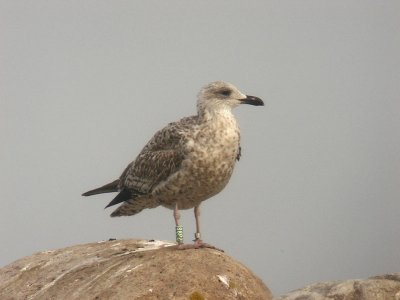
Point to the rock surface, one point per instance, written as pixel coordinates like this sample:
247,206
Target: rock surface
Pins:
385,287
129,269
139,269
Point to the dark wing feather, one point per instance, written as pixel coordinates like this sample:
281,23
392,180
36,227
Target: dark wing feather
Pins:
108,188
124,195
239,154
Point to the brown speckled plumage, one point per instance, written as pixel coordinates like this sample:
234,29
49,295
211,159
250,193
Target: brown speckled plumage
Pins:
186,162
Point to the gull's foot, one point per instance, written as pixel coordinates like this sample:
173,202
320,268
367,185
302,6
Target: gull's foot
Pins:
197,245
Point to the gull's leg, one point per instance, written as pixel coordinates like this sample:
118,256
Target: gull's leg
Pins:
178,228
197,235
198,243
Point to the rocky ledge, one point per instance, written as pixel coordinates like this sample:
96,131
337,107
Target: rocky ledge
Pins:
129,269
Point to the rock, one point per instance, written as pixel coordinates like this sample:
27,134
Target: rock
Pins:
129,269
384,287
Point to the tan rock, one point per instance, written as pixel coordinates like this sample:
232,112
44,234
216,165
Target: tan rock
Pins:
385,287
129,269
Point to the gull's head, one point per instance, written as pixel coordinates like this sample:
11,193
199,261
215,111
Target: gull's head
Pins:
220,95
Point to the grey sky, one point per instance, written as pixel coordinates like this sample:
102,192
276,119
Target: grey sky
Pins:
85,84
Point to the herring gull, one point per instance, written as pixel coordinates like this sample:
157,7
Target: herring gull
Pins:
186,162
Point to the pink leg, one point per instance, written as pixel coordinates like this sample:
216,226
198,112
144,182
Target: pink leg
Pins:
197,235
177,215
198,243
178,228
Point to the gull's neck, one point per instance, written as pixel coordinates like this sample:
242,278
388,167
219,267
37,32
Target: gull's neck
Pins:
208,115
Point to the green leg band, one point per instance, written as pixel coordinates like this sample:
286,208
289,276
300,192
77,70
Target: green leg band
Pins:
179,234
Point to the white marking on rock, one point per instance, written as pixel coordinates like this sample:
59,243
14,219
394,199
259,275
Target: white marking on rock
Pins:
224,279
26,267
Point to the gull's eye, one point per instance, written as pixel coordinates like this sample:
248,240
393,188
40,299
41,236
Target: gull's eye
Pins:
226,92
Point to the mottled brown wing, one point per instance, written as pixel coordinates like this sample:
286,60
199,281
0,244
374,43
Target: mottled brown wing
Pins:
159,159
150,168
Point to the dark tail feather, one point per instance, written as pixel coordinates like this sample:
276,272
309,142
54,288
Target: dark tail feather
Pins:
108,188
121,197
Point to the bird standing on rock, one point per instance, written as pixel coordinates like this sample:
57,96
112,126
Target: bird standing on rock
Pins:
186,162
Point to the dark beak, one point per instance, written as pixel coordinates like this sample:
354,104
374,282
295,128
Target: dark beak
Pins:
252,100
